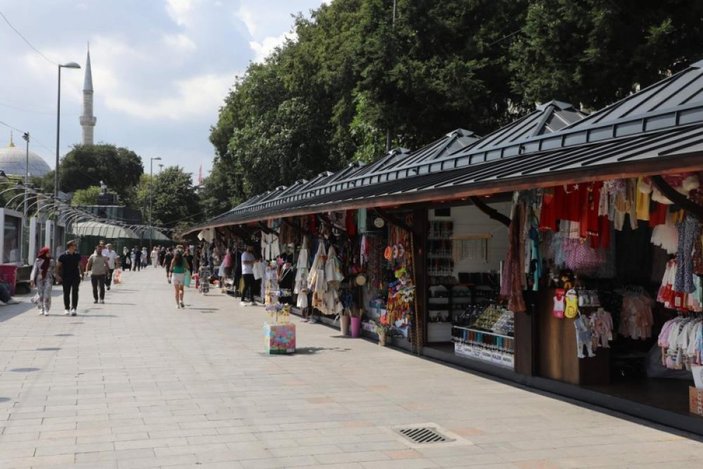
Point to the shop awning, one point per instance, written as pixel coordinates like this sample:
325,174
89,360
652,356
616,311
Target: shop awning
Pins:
657,130
102,230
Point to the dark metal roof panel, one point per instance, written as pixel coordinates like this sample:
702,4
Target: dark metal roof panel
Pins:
682,89
500,175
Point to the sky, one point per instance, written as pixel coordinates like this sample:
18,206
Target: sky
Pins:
161,70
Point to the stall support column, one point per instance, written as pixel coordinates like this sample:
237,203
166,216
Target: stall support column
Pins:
419,237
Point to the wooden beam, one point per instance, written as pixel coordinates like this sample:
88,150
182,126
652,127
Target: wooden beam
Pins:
490,211
678,198
393,220
266,229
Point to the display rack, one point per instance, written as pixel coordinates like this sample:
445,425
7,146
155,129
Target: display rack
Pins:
498,349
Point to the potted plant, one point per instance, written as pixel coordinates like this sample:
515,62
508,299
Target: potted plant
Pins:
384,333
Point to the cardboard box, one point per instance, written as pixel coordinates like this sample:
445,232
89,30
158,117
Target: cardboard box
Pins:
695,401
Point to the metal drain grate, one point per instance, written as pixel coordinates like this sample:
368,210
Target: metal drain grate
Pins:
424,435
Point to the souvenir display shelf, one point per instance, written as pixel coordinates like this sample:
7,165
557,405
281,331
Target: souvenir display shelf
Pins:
483,345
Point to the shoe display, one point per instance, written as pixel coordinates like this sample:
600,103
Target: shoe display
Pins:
46,313
67,312
182,305
73,311
102,302
95,302
41,312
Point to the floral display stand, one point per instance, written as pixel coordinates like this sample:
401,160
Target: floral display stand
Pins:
279,333
279,338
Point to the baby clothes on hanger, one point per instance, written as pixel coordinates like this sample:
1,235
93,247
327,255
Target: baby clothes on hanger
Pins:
584,337
636,318
601,323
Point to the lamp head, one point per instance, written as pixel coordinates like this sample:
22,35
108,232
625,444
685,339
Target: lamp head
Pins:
70,65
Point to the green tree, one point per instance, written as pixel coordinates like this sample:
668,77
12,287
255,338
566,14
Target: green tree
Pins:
87,165
593,52
174,198
88,196
352,76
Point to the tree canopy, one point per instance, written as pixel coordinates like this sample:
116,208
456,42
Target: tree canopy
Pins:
356,76
172,197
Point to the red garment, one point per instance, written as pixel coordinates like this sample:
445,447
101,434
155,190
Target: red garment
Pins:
350,222
589,195
548,214
657,214
573,202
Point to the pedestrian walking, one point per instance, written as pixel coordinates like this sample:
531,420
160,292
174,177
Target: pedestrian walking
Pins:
168,258
162,255
228,264
137,256
179,265
144,257
112,263
42,277
248,275
126,259
155,257
68,272
97,266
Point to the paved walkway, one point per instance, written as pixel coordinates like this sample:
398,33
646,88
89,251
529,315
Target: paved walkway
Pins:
137,383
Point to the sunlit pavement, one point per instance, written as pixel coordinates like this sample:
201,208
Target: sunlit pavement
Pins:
138,383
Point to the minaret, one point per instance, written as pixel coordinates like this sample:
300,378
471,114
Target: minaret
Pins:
88,119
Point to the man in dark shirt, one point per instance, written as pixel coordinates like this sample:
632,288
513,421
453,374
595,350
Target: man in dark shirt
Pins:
68,271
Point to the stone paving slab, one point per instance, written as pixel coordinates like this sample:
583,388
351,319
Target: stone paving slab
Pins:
137,383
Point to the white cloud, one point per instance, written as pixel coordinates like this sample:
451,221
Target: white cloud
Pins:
194,97
264,48
246,15
180,10
180,41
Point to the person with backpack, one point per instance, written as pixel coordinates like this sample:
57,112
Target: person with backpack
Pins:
98,268
168,259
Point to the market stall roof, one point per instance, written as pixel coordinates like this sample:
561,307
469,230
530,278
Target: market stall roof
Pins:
152,234
657,129
103,230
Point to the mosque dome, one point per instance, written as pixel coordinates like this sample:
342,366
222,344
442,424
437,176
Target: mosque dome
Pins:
13,160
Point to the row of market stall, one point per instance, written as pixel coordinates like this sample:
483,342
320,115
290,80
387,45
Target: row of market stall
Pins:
562,251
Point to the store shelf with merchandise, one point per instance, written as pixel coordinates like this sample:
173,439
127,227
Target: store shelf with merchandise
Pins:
486,333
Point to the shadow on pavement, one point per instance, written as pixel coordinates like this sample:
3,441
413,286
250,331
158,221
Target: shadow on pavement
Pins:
10,311
314,350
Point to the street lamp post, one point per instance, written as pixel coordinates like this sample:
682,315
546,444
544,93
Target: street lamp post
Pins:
151,190
58,133
24,257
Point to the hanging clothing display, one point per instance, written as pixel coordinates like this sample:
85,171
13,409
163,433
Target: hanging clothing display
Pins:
681,341
333,278
301,277
512,278
270,247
